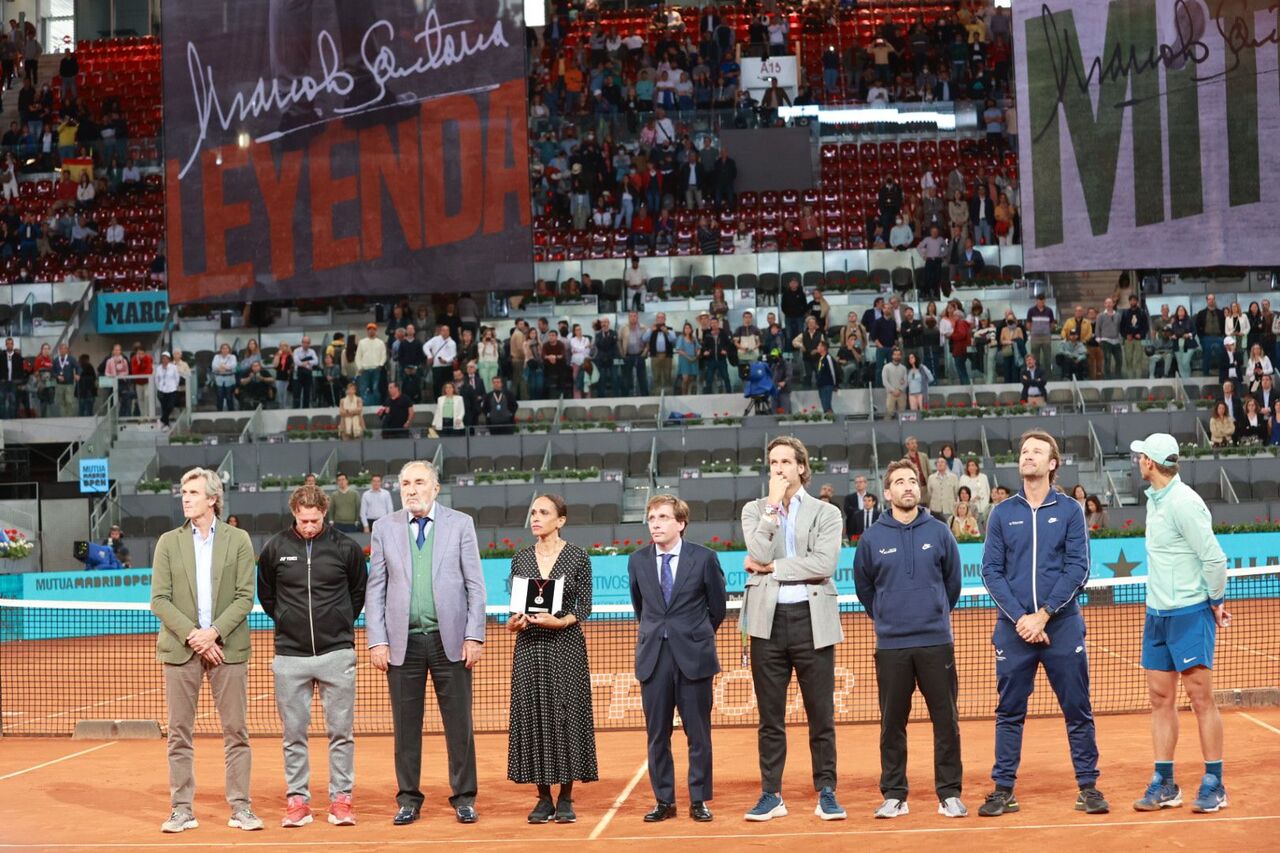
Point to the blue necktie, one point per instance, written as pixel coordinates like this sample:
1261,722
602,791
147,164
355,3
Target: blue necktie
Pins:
667,580
422,530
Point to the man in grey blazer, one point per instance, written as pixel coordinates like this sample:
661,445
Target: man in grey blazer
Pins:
424,613
677,590
791,611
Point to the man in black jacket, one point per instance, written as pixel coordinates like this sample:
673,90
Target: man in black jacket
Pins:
726,172
500,408
311,582
13,373
794,307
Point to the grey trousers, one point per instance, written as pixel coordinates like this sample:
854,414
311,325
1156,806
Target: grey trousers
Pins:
296,679
230,685
65,397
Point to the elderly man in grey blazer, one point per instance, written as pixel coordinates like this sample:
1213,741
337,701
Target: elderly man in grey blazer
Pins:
424,613
791,612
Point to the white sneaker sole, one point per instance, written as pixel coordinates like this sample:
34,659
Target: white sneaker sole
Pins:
235,824
942,810
337,821
191,824
780,810
825,816
903,809
286,823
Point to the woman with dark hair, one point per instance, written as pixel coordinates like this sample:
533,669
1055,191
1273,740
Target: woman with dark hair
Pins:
1275,420
1079,494
1222,427
1095,516
551,732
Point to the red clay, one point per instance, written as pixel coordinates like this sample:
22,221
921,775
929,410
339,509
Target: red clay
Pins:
118,794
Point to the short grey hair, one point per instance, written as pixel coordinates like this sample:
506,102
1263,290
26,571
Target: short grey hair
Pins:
431,470
212,486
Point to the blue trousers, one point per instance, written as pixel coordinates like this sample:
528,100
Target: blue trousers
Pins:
635,376
1066,663
1211,352
824,395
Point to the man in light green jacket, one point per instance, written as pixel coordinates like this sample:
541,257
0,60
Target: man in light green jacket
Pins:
202,591
1186,583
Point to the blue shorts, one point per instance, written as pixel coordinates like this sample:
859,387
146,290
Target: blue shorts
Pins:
1179,639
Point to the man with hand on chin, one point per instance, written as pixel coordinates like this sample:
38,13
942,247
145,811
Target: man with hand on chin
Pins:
202,592
424,613
677,591
1035,561
791,612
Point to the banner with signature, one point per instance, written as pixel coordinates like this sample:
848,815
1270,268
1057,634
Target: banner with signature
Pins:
327,147
1146,133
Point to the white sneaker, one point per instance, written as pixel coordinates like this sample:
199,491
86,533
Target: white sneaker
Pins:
952,807
892,808
178,821
245,819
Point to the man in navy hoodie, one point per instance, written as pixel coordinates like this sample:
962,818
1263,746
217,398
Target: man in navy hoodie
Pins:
907,574
1034,563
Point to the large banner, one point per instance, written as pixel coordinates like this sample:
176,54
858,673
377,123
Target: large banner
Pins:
332,147
1146,132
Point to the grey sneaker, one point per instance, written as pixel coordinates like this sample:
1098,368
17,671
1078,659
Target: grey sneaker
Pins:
952,807
892,808
245,819
178,821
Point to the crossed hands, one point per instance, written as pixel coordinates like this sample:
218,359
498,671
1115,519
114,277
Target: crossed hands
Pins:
204,641
1031,627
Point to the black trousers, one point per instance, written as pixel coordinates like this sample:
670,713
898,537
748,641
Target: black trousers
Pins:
666,690
898,673
168,399
408,686
790,648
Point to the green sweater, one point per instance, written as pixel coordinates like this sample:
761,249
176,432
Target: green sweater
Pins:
344,507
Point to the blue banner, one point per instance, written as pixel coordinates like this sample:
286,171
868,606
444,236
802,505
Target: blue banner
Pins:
93,476
144,311
1110,558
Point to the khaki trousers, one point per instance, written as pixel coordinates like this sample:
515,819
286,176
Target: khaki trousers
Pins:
230,685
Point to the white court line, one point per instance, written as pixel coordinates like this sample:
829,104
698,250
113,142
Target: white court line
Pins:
617,804
757,837
1251,718
1256,652
58,760
1129,661
126,697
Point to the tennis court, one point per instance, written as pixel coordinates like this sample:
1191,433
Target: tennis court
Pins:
112,795
61,663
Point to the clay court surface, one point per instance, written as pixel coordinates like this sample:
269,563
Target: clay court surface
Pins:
84,795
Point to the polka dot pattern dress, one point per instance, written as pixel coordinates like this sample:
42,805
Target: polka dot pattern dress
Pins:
551,735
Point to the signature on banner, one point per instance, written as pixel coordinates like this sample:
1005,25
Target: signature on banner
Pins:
441,45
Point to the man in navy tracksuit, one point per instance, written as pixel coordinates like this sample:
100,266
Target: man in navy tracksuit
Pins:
907,574
1034,564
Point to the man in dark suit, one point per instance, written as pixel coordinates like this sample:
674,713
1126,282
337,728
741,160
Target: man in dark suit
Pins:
1232,367
471,390
854,502
862,520
678,593
500,408
13,373
1234,401
424,613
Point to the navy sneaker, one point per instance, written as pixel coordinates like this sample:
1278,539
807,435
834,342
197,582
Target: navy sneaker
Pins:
1160,795
828,808
768,807
1212,796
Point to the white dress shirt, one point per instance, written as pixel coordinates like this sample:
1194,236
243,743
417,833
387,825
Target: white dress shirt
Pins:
374,505
204,574
791,593
440,351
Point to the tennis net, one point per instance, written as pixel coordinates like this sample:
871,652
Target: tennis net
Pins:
64,662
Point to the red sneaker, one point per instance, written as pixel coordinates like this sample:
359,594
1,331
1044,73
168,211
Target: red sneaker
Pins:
340,813
297,812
